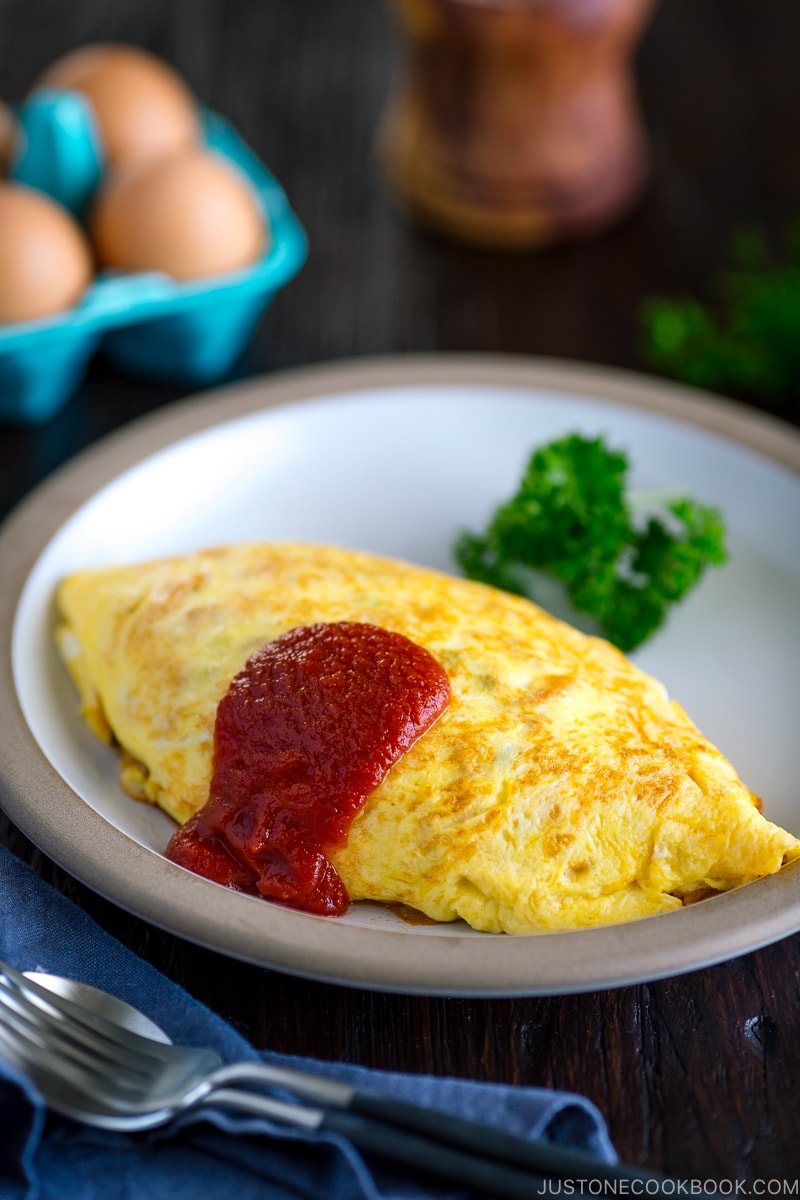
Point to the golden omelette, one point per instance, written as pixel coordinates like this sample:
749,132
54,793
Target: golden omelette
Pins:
560,789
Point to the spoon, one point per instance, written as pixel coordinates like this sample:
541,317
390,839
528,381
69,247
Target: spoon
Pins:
102,1004
100,1061
96,1058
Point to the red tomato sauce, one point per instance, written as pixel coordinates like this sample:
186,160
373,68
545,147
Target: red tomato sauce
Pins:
307,730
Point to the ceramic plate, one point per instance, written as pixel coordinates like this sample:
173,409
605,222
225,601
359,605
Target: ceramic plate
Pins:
396,457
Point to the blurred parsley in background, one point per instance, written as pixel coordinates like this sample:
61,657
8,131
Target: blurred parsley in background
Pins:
748,341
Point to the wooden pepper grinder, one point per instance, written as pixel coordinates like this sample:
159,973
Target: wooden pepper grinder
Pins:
515,122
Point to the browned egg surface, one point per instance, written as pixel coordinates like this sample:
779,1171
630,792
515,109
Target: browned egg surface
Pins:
560,789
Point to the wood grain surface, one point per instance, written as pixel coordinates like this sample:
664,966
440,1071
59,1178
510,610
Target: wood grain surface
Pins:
698,1076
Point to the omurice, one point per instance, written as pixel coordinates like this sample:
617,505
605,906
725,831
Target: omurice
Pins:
400,735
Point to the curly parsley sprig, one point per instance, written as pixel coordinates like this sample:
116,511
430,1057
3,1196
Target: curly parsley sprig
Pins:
570,519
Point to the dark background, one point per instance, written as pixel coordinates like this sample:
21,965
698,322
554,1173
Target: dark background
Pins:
698,1075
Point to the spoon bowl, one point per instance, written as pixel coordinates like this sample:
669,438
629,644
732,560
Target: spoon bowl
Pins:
102,1004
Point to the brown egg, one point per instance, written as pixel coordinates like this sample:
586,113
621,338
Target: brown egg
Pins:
45,260
189,216
143,108
8,135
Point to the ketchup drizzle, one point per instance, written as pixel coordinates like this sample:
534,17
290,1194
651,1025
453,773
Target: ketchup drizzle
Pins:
307,730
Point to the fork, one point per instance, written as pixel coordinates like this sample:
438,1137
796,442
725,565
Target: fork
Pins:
93,1070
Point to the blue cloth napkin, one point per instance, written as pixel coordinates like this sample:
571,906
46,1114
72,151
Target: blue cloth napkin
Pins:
214,1155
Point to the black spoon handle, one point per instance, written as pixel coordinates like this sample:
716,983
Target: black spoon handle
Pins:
483,1176
489,1141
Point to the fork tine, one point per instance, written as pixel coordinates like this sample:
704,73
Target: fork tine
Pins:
100,1057
23,1032
86,1026
87,1085
66,1033
32,1058
52,1036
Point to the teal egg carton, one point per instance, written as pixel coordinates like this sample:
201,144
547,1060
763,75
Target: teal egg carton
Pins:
146,324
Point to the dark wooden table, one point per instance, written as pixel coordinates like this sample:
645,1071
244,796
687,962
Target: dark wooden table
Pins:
698,1076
